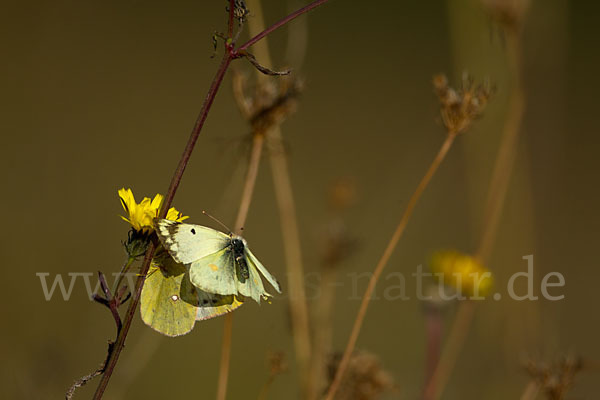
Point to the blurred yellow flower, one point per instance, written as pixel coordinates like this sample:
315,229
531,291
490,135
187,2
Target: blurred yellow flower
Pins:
141,215
462,272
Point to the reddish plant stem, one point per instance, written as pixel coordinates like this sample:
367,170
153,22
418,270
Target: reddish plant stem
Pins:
433,328
120,341
230,54
282,22
187,152
230,21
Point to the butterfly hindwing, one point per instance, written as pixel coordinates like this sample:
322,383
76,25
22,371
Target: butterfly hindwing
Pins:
214,305
161,306
186,242
252,286
170,304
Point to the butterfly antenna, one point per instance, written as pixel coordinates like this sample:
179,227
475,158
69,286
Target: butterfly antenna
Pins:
217,221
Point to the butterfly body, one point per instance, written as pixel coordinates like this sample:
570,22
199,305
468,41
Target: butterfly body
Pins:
238,246
219,263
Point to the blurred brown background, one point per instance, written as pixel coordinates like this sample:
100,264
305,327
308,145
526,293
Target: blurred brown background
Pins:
102,95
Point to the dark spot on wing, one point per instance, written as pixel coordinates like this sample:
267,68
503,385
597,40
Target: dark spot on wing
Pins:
193,231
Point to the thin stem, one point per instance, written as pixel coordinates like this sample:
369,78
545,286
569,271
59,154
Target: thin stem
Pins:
281,23
257,145
228,56
457,337
293,253
531,391
187,152
495,200
506,153
383,261
123,272
433,329
265,389
287,215
225,357
230,20
120,341
323,333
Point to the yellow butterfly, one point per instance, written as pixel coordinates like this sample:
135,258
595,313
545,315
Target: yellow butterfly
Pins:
219,263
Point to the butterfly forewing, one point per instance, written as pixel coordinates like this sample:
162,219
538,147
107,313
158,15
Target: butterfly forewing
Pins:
187,243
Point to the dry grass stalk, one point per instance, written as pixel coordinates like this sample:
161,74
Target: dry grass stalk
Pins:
287,211
458,109
510,14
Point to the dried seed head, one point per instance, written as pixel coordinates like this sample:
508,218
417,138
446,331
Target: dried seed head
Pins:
508,13
339,244
277,363
459,107
270,104
365,379
342,193
557,378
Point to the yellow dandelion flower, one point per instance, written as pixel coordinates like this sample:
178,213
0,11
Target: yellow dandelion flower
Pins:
462,272
141,215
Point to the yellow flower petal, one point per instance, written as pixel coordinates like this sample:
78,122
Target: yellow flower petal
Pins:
157,201
462,272
141,216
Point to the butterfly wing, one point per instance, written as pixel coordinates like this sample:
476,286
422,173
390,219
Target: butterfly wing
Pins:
214,305
162,306
171,305
257,264
186,242
215,273
207,305
251,286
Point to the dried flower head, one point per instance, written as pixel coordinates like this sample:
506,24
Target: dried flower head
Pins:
365,379
277,363
342,194
270,105
459,107
338,244
508,13
240,11
555,379
462,272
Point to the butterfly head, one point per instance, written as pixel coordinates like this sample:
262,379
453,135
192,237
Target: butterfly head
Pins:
238,243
